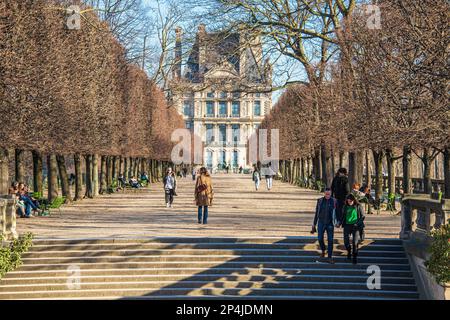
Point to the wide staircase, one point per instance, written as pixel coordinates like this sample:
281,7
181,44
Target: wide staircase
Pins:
206,268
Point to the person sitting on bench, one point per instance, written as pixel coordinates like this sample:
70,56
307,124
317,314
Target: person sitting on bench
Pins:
134,183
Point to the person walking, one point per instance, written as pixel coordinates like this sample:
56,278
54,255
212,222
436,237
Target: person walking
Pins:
353,224
170,185
325,220
340,189
269,176
194,173
256,176
203,195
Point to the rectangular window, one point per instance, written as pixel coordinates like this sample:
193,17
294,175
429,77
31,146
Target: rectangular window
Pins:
236,94
236,109
209,133
209,108
210,95
235,158
223,95
257,108
222,109
236,132
222,133
187,110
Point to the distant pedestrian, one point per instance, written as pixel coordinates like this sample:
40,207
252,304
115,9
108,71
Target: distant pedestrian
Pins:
325,220
203,194
269,173
340,189
241,170
194,174
353,224
170,185
256,176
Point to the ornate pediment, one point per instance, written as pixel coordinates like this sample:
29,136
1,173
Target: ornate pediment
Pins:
223,70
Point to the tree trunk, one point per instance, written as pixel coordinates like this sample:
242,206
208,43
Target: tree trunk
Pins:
4,171
391,172
65,187
114,167
121,165
341,159
95,183
20,165
52,177
89,191
125,168
109,169
327,174
37,173
333,164
355,164
103,173
302,170
78,177
426,159
407,169
447,172
378,160
368,175
143,169
317,166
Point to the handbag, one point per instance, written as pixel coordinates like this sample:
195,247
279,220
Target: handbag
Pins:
201,187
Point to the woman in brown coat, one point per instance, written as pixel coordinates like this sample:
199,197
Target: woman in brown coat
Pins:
203,194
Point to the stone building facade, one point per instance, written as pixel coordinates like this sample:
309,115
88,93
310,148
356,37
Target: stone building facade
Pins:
223,93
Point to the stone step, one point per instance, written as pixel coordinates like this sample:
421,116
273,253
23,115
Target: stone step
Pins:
206,264
175,240
207,246
364,251
183,267
195,284
205,258
316,269
10,281
199,292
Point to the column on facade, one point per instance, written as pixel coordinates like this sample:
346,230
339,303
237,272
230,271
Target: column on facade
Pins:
216,132
216,109
228,109
229,134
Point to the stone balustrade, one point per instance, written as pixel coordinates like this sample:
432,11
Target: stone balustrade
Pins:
8,218
421,215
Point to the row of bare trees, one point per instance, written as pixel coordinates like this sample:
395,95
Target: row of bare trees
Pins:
386,91
71,92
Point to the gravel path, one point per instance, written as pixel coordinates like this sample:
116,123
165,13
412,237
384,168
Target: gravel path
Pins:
238,211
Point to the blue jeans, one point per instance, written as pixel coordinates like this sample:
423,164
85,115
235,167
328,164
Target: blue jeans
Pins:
205,214
329,228
29,205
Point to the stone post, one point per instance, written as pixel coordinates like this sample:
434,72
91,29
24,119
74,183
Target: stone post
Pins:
406,220
8,218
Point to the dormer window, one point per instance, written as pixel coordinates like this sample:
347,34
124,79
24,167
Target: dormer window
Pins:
223,95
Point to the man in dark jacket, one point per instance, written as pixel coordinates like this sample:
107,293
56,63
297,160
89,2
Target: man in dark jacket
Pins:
340,189
325,219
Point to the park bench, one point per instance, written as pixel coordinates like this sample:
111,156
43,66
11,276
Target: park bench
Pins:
47,206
